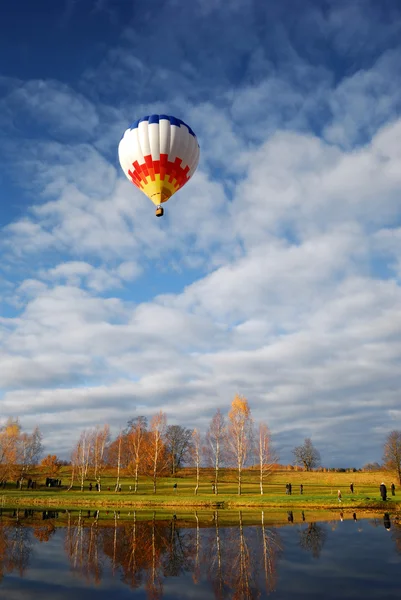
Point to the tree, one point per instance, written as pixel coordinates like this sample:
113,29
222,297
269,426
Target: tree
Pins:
80,458
196,453
178,442
99,439
156,451
267,455
19,451
307,455
50,465
392,453
216,437
240,434
136,439
29,450
9,435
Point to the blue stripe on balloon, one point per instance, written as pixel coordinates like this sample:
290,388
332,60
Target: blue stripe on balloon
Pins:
157,118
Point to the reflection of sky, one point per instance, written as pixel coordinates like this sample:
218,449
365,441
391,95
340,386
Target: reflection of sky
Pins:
355,560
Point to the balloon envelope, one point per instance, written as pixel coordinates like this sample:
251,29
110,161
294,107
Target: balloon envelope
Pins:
159,154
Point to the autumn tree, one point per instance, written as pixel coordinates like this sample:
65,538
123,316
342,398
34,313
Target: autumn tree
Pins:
392,453
215,445
178,442
136,436
239,434
9,435
307,455
19,451
267,455
50,465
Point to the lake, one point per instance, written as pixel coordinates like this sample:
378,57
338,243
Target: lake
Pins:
117,555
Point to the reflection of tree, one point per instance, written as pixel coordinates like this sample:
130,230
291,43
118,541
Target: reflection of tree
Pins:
271,546
82,546
235,558
179,557
396,533
241,575
312,539
15,548
214,559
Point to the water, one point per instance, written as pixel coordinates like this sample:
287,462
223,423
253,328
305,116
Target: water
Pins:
83,555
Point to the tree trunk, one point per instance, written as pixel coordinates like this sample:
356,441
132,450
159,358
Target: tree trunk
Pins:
197,479
136,477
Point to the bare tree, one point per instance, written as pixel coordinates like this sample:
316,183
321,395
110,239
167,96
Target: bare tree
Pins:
307,455
29,451
196,453
178,442
136,434
80,457
240,434
99,439
267,455
119,445
215,444
156,448
392,453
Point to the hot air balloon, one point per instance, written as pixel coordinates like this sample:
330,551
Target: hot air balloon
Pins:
159,154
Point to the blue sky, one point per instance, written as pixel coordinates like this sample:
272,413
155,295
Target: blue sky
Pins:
275,272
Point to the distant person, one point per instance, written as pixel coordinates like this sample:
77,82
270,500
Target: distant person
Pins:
290,489
287,489
301,489
339,496
290,516
351,487
175,487
386,521
383,491
392,489
90,487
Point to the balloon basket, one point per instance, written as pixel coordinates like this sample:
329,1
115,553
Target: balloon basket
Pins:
159,211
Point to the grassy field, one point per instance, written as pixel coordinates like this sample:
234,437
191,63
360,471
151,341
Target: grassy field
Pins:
320,492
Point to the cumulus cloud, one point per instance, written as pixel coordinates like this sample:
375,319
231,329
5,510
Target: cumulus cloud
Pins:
275,272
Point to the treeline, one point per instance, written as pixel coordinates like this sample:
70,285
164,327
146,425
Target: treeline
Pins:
155,449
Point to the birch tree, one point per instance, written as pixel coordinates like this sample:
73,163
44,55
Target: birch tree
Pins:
80,458
267,455
136,440
156,447
240,434
196,453
99,440
215,445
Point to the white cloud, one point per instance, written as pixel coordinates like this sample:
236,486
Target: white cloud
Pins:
274,271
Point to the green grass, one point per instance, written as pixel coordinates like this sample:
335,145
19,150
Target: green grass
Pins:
320,492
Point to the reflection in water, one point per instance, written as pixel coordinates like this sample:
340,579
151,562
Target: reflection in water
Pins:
239,561
312,539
